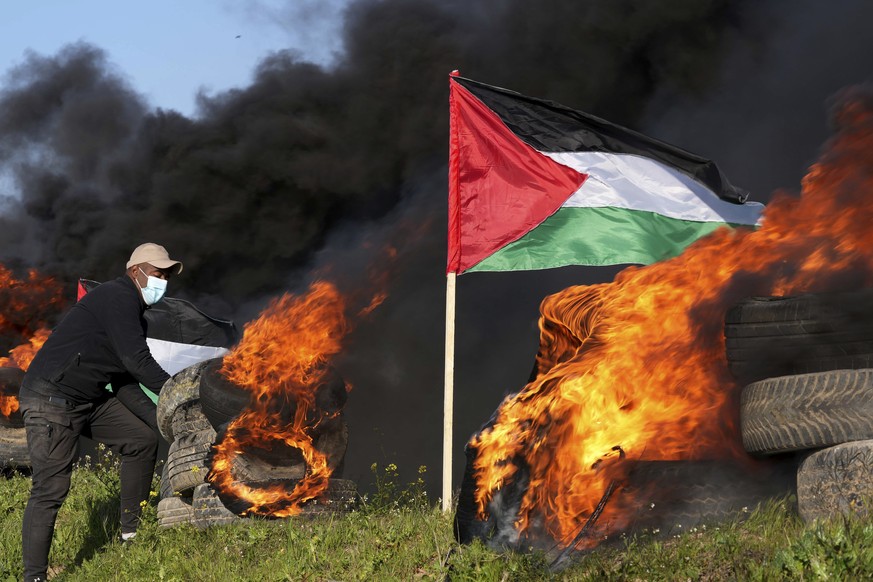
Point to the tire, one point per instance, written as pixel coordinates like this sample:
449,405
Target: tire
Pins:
807,411
674,496
182,388
497,529
165,489
341,496
767,337
669,497
13,448
187,464
173,511
189,418
835,481
208,508
285,462
10,382
221,400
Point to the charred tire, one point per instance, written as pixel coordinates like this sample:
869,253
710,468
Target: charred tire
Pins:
13,448
221,400
189,418
496,529
173,511
182,388
467,525
10,382
341,496
284,462
673,496
670,497
807,411
187,461
767,337
208,508
837,480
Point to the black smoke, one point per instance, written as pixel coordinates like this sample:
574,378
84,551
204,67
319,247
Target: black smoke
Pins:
314,169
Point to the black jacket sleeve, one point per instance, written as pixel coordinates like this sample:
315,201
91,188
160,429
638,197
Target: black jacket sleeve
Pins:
122,320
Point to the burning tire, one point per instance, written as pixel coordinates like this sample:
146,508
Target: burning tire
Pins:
497,530
807,411
10,382
187,461
768,337
222,400
341,497
13,448
174,511
837,480
669,496
673,496
209,508
182,388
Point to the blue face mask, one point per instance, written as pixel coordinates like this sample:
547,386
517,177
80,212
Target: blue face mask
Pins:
154,289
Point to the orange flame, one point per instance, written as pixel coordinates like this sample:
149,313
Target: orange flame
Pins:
8,405
26,305
639,363
281,358
22,356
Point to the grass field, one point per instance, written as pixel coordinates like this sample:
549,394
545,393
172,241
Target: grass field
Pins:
398,535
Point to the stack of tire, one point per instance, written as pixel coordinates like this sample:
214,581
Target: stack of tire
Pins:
806,364
13,441
194,408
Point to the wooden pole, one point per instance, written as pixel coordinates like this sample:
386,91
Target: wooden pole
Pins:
448,392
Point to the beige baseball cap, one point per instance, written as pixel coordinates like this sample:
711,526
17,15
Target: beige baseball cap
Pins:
155,255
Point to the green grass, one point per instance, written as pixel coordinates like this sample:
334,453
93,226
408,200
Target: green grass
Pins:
398,535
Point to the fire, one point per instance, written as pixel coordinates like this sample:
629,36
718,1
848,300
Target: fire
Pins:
22,356
280,359
8,405
639,363
26,306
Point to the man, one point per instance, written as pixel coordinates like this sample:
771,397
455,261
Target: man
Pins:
101,340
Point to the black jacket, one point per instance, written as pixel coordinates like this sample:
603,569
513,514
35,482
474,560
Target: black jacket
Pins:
101,340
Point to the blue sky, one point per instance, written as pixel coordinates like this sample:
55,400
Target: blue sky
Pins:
168,50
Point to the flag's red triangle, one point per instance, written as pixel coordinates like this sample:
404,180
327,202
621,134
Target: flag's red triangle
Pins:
500,188
81,291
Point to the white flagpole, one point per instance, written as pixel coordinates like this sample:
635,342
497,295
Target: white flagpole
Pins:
448,392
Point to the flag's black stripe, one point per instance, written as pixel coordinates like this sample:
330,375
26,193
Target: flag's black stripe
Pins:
551,127
179,321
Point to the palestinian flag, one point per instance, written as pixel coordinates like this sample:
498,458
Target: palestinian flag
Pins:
178,334
536,185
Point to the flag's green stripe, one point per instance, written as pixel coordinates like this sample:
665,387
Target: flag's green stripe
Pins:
597,236
151,395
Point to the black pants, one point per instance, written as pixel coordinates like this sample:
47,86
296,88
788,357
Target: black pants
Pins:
53,428
132,396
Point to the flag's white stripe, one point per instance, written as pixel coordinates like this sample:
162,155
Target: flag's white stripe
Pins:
174,357
638,183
